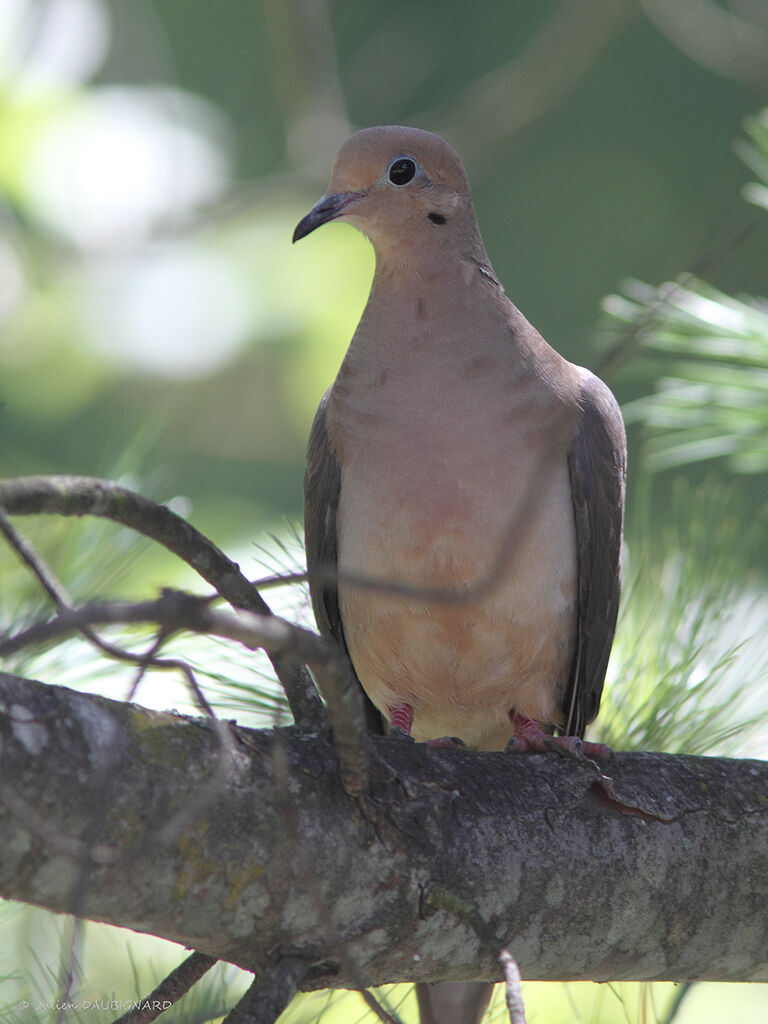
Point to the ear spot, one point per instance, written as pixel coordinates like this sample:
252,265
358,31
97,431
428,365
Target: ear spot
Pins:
436,218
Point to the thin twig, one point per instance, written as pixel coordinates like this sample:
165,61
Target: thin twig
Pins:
78,496
175,610
225,757
286,644
170,990
621,348
63,601
373,1003
57,591
69,953
55,588
282,579
33,494
514,994
681,993
52,586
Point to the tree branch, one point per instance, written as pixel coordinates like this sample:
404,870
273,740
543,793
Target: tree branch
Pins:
513,992
170,989
79,496
662,866
176,610
269,994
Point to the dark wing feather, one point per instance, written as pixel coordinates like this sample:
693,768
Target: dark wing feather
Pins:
597,466
322,488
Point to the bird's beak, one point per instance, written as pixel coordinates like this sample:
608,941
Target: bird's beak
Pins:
328,208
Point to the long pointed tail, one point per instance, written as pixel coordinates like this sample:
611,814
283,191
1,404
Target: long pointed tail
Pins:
453,1002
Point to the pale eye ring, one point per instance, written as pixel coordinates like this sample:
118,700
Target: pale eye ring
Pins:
401,171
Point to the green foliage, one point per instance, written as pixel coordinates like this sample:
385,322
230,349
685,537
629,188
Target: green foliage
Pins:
97,972
686,676
706,356
754,153
699,358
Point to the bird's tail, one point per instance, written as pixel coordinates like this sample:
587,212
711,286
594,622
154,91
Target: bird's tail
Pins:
453,1002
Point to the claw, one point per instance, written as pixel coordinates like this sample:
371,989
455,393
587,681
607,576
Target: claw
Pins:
448,743
530,737
397,733
599,750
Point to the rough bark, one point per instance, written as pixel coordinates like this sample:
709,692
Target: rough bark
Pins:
658,872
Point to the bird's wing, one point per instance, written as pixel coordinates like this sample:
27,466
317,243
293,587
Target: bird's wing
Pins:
322,487
597,466
453,1002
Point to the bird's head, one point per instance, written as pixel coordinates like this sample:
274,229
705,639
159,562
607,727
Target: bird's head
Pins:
404,188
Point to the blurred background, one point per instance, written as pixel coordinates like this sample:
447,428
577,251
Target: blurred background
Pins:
158,328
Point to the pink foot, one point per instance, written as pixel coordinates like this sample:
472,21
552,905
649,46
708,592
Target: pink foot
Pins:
400,722
401,718
530,737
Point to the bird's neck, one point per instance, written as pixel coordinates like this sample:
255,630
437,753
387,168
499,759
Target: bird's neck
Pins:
414,261
415,304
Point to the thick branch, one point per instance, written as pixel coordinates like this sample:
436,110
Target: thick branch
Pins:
659,873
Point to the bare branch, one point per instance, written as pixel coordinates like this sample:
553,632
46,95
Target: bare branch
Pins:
331,669
78,496
34,562
170,990
176,610
537,845
61,598
373,1003
56,589
269,995
513,992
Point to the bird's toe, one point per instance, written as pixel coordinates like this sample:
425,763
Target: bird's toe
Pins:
448,742
396,732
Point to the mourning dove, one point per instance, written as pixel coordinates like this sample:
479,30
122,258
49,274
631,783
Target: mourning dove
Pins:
460,460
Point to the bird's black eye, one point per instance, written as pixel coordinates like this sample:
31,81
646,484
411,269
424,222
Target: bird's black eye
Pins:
401,171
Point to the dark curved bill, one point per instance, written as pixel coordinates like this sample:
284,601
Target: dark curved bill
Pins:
325,209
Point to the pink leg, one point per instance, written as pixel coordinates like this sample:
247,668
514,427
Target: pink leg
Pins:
529,737
401,717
